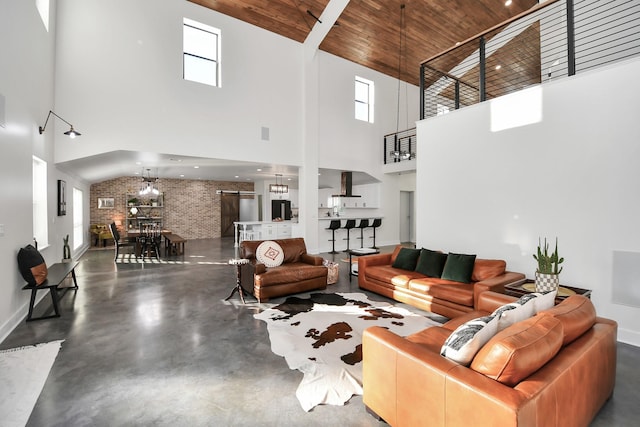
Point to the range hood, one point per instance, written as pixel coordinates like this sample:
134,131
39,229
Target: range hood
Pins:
346,186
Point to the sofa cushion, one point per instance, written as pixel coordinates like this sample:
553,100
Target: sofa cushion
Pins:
394,276
290,273
577,315
518,351
463,343
458,267
484,269
431,263
406,259
270,253
459,293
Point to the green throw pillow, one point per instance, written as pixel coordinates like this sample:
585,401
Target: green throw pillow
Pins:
431,263
459,267
407,259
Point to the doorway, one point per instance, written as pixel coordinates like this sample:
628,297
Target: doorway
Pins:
229,213
406,220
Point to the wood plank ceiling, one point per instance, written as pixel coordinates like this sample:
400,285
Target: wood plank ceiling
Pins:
368,32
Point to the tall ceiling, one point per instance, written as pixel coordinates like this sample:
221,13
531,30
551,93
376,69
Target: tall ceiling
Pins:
366,32
369,32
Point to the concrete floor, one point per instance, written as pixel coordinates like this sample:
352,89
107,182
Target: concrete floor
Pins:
156,345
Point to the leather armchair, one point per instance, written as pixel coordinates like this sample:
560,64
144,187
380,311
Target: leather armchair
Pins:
299,271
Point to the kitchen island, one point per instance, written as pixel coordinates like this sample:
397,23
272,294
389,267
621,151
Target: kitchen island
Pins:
261,230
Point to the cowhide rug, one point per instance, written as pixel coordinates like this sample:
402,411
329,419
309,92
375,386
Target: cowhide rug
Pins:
321,336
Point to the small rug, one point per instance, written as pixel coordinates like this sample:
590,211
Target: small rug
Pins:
23,372
321,336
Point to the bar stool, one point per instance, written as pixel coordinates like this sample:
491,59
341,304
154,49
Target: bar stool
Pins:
351,223
377,222
333,226
364,223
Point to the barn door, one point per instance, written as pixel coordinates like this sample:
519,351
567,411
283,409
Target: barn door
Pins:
230,213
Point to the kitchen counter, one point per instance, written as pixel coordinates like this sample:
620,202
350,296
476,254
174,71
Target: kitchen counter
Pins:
266,230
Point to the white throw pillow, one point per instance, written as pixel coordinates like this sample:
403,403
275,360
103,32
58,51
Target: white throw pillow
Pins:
545,301
270,253
516,311
463,343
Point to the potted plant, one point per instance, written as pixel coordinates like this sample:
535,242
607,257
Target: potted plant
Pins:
132,201
548,267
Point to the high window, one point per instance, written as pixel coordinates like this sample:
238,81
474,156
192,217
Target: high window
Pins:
78,227
364,99
201,53
43,9
40,227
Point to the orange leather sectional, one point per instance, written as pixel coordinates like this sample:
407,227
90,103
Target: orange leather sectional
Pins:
445,297
555,369
299,271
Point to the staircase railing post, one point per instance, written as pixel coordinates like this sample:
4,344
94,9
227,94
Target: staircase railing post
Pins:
422,94
481,85
571,39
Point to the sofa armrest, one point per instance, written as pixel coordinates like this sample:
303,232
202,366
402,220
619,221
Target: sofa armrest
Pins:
489,301
311,259
400,376
376,259
495,284
259,268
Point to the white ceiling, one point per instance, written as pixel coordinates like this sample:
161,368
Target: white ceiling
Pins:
132,163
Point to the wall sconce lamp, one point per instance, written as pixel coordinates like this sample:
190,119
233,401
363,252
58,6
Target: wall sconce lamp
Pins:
278,187
71,132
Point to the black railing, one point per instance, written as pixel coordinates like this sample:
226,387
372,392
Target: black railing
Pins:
400,146
551,40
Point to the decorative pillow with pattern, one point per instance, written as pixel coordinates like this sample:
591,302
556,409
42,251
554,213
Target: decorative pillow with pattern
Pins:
516,311
463,343
545,300
270,253
32,266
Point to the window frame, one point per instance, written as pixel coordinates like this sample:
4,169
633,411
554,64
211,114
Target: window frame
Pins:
216,61
40,202
78,218
368,103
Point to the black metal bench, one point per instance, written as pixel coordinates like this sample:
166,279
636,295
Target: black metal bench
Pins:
55,276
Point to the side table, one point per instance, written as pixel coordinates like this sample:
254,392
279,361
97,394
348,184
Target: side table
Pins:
238,262
359,252
528,286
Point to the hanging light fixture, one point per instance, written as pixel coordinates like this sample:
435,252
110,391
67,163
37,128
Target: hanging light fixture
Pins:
398,153
278,187
149,185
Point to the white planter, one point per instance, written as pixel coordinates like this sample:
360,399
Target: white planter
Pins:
547,282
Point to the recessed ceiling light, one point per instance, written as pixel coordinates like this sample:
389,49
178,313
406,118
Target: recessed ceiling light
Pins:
259,170
196,167
237,176
498,66
138,163
508,3
181,175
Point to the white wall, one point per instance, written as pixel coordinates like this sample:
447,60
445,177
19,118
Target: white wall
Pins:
26,82
119,67
350,144
573,175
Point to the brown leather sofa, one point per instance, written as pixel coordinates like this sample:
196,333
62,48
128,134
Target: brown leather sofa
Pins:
408,383
448,298
299,271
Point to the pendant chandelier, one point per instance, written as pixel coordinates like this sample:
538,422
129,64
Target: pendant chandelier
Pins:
149,185
278,187
401,153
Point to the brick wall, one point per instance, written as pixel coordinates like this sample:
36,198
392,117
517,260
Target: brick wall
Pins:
191,207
